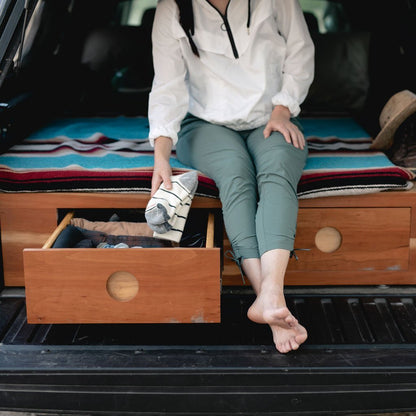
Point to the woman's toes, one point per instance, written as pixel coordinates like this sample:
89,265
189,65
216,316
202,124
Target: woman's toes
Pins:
293,344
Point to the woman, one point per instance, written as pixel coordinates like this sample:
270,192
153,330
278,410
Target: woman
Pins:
230,76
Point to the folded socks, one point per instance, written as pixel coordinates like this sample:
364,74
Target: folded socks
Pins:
168,209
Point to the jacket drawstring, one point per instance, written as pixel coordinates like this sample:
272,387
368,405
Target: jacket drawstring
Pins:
248,16
186,19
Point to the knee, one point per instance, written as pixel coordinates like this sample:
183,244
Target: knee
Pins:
283,163
236,179
281,175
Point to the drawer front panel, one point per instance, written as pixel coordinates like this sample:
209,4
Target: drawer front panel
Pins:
352,239
147,285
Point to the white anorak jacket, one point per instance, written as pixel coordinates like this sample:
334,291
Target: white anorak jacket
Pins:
241,73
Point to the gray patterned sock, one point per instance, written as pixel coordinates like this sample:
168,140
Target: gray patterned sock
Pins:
161,211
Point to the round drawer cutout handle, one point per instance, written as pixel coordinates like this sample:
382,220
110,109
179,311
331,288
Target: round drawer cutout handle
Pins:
328,239
122,286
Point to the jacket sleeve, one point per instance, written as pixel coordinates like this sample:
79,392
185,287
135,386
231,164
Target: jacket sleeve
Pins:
298,68
168,99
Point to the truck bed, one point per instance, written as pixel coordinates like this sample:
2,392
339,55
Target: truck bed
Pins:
360,357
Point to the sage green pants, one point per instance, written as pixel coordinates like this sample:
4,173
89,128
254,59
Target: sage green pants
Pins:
257,180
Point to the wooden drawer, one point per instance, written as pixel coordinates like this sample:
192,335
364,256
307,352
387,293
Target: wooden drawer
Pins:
132,285
352,239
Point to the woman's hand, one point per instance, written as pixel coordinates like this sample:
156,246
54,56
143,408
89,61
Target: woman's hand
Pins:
280,121
162,170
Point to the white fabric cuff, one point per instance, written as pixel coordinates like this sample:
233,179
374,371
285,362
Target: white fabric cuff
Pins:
283,98
157,132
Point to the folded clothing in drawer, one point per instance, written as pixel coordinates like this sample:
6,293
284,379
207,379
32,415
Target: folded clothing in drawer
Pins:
113,155
111,285
125,229
75,237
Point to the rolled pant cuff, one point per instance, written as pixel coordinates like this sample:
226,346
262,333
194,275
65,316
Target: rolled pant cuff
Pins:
283,243
245,253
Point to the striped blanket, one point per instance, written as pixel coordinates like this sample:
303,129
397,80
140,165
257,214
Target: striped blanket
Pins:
113,155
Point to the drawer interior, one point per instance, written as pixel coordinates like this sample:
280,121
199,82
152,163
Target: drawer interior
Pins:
204,228
179,284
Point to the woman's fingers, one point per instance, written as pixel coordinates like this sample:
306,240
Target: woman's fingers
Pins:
166,181
267,131
160,175
156,181
298,139
290,132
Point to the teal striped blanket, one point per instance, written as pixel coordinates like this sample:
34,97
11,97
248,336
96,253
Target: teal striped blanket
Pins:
113,155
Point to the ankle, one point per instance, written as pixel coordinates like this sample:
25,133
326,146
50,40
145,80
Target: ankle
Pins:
274,293
272,285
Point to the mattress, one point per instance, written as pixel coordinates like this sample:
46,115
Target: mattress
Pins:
113,154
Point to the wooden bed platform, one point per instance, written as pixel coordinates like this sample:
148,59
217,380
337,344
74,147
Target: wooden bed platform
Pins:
346,240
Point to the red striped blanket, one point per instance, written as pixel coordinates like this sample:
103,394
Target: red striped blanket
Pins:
113,155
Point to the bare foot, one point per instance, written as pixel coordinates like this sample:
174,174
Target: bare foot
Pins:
290,339
270,308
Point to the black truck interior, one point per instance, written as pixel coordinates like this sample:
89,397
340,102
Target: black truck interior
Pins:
93,58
